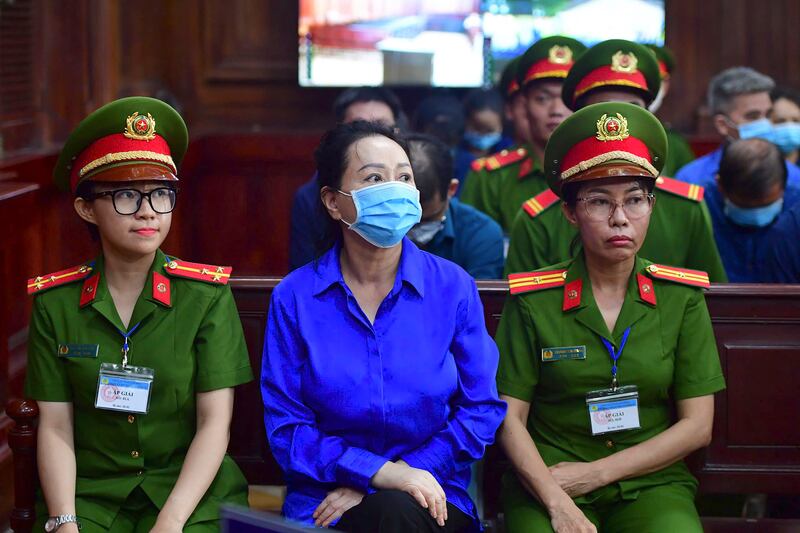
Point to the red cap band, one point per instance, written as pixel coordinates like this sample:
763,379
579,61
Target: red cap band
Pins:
592,152
117,148
605,76
545,68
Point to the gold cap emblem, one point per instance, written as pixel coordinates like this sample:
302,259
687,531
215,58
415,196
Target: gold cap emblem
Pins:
612,128
624,62
560,55
140,128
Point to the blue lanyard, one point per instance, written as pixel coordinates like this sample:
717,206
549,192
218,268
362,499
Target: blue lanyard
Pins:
126,336
615,354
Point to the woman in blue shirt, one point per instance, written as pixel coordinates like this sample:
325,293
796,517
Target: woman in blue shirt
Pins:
378,372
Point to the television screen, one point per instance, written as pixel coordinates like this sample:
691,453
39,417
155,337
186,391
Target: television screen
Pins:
451,43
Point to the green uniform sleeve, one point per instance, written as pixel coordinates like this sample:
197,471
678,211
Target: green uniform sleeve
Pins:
703,252
518,370
46,378
479,194
697,367
529,244
222,359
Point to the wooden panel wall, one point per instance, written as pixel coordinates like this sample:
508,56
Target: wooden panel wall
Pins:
232,66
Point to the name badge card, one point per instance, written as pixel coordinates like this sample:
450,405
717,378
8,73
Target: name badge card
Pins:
124,388
613,410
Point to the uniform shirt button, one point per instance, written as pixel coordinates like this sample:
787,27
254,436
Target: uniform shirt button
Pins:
135,454
131,419
609,444
139,473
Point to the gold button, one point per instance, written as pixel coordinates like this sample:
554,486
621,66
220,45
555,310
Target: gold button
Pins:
139,473
131,419
135,454
172,265
609,444
653,269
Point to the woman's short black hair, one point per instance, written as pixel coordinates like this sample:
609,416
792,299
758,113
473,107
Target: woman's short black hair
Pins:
332,157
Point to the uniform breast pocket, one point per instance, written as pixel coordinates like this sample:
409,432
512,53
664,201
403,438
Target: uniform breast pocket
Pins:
82,364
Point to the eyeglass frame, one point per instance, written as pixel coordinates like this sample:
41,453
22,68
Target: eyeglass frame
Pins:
650,197
142,196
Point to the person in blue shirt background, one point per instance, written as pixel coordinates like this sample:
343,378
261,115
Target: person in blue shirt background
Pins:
375,104
483,129
378,372
781,258
785,117
450,229
750,194
740,104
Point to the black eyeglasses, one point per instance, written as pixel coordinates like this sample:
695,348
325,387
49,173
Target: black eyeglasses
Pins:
129,201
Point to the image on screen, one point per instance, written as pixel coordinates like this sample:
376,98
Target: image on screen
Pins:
451,43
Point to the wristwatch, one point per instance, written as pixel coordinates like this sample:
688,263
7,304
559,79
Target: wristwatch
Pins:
55,522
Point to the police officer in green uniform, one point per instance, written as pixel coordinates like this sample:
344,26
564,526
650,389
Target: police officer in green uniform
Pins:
680,231
679,152
133,356
607,361
501,182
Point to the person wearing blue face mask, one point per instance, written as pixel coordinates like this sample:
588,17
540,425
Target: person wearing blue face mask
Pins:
785,116
378,372
483,130
750,194
450,229
740,105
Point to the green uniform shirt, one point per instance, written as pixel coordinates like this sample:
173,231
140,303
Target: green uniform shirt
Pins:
195,344
678,153
501,192
680,234
670,355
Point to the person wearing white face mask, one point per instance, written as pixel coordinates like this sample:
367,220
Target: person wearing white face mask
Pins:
740,104
450,229
378,372
750,195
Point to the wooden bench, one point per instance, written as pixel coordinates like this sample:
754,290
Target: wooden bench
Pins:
756,441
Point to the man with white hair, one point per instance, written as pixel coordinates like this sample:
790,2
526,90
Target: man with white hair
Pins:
740,104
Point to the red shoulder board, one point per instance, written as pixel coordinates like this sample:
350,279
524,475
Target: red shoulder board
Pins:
199,271
534,281
62,277
478,164
681,188
504,158
696,278
539,203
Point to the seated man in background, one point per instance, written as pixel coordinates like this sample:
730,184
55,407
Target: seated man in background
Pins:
785,117
483,129
450,229
442,116
373,104
740,104
750,195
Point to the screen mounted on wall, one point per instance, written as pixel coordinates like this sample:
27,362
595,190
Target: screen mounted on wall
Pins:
451,43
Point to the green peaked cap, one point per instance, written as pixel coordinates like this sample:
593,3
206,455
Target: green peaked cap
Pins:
111,119
584,140
596,68
541,50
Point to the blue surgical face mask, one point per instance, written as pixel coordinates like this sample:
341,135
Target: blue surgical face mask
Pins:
761,128
482,141
424,232
786,136
753,217
385,212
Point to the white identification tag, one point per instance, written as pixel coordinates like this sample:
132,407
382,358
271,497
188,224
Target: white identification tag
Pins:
613,410
124,388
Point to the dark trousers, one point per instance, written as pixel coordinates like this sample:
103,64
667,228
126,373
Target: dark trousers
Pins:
394,511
